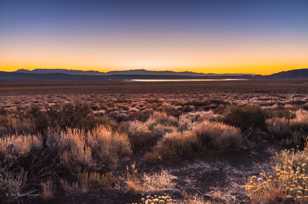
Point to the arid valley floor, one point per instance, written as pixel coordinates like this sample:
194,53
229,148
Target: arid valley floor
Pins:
168,142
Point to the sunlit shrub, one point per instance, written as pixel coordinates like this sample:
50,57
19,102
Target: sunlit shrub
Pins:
108,146
290,132
280,127
175,145
161,118
101,146
71,147
144,135
194,200
18,145
289,179
140,136
300,122
219,136
151,182
204,137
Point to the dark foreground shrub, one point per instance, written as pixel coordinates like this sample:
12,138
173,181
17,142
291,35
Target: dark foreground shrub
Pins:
73,160
291,133
66,116
246,117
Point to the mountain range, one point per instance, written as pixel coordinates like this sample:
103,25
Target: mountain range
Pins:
138,74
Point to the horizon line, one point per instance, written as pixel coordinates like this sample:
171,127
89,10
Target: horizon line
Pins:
104,71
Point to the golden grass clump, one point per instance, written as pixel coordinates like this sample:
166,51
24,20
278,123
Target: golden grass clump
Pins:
161,118
300,120
156,199
158,181
88,181
101,146
139,135
18,144
283,125
301,116
288,181
72,147
205,136
195,200
218,135
107,145
173,146
290,132
278,126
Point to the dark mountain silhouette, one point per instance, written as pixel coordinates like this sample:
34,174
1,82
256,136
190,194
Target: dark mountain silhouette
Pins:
65,74
137,72
296,73
59,71
146,74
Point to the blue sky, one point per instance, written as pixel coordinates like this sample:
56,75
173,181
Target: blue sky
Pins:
191,27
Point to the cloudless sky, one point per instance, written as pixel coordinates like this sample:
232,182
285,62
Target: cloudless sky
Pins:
222,36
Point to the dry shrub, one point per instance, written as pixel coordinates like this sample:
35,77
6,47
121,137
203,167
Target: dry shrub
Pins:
194,200
18,145
17,123
4,121
206,136
70,152
11,185
217,135
188,120
279,126
246,117
100,146
47,191
65,116
108,146
159,181
289,179
290,132
161,118
71,147
159,199
88,181
173,146
144,135
300,121
140,136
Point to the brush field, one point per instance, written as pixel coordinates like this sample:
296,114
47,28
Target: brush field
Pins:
167,142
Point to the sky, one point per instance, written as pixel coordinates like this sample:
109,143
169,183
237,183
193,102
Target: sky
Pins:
209,36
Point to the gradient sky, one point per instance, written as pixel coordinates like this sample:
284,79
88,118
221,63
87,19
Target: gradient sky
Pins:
221,36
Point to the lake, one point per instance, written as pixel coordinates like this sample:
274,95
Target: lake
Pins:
183,80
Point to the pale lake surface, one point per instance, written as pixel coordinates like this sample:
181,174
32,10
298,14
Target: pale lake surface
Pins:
183,80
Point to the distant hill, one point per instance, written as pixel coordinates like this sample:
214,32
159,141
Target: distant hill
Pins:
143,72
138,72
65,74
59,71
296,73
54,74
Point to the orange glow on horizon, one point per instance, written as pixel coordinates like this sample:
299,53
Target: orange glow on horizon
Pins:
179,53
262,70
